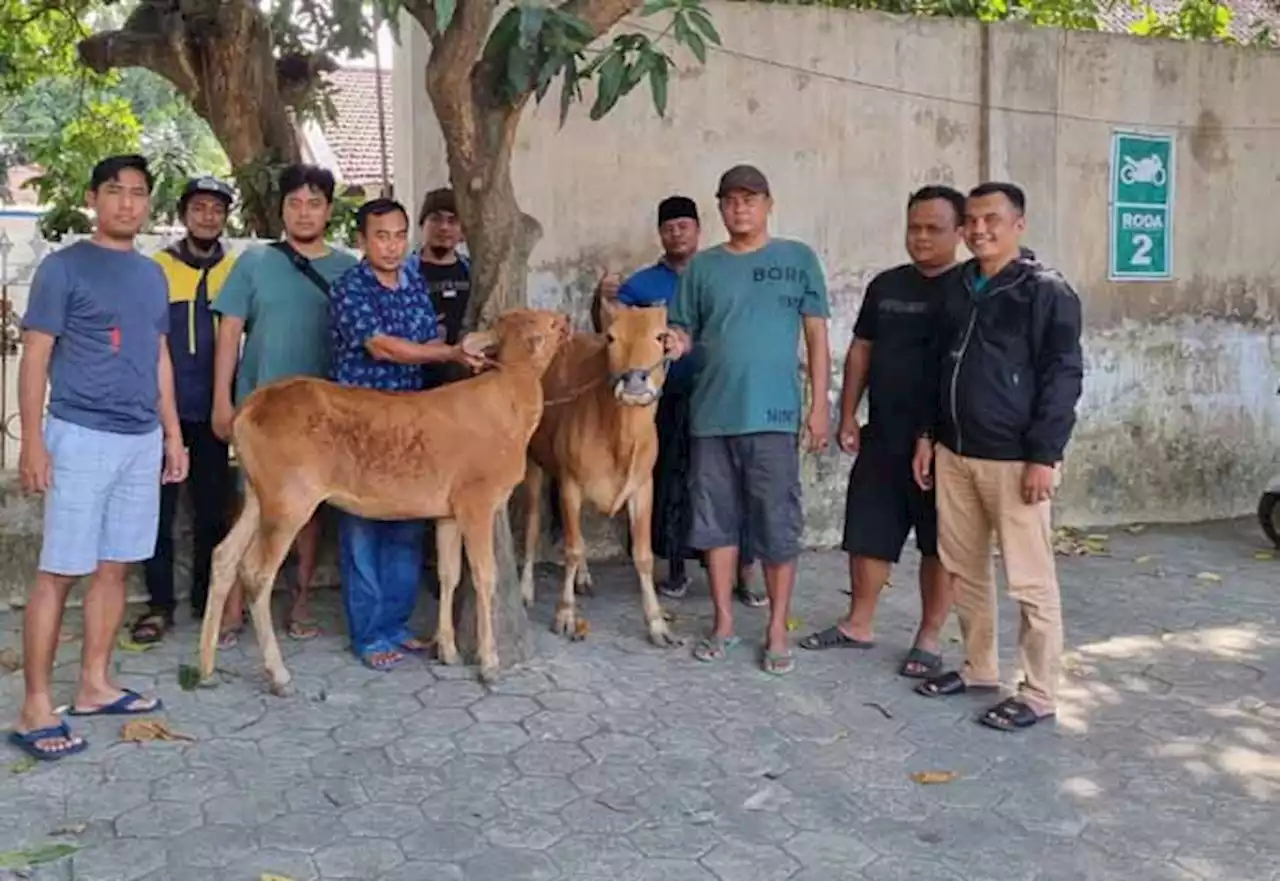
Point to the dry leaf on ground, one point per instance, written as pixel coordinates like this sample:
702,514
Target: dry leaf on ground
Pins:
146,730
10,661
128,645
794,624
1135,528
1069,542
22,766
929,778
1209,576
1145,558
266,876
1264,555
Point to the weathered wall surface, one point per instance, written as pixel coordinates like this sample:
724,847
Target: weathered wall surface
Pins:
848,112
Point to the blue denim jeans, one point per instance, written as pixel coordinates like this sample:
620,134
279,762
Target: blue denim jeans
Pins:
381,564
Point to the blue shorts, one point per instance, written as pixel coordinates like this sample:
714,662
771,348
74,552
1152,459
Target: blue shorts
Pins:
104,503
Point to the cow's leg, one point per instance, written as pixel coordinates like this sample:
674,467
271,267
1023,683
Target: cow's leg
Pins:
574,553
222,578
449,573
258,569
533,479
640,511
477,535
582,583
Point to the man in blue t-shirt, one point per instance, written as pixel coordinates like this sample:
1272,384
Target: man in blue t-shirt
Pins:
95,338
678,230
384,333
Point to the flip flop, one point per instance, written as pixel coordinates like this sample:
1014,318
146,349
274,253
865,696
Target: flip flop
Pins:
831,638
778,663
1011,714
930,662
750,595
423,646
714,648
230,638
381,666
27,742
302,630
125,705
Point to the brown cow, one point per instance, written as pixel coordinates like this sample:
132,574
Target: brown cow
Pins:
454,453
598,440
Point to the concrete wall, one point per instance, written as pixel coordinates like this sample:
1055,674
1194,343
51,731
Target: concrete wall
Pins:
847,112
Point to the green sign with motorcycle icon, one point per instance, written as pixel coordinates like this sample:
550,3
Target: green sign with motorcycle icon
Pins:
1141,207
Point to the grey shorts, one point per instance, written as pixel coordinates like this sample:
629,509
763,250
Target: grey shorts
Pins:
750,483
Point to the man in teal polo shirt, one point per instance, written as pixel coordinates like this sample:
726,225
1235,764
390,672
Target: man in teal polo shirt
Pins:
743,305
277,300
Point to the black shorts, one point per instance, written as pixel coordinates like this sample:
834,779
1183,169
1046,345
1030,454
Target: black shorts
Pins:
884,504
748,484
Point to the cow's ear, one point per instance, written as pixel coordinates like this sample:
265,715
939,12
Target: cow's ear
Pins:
479,343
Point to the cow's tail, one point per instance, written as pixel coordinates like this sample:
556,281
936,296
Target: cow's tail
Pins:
555,522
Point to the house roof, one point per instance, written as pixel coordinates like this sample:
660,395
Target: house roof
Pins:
353,136
1247,16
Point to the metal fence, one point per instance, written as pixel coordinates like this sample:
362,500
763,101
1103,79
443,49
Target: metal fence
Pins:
21,250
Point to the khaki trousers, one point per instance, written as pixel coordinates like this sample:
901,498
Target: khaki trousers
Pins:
978,497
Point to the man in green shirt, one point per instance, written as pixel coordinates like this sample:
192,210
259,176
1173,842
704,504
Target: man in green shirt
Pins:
743,304
276,299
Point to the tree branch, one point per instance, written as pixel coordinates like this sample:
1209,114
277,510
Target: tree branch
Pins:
128,48
601,14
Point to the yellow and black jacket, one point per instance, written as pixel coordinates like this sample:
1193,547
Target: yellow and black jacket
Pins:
194,283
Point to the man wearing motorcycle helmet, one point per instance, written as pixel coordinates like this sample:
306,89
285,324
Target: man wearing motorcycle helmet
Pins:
196,268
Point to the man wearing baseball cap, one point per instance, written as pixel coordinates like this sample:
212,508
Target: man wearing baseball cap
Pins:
196,268
743,305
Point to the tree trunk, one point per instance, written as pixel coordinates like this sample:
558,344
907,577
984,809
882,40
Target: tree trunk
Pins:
219,55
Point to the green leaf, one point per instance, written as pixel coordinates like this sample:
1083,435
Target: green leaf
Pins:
444,13
36,856
531,18
609,86
575,28
698,46
188,677
22,766
653,7
658,84
702,21
547,74
636,72
569,90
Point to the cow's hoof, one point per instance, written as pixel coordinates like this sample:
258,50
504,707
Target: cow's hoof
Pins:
566,622
489,673
209,682
447,656
283,689
662,637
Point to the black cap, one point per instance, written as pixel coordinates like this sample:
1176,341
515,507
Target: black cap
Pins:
674,207
436,202
209,186
743,177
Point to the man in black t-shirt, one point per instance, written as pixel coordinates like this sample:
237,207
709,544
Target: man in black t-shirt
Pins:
888,358
447,274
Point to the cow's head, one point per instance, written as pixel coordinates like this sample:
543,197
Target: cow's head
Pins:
637,355
524,336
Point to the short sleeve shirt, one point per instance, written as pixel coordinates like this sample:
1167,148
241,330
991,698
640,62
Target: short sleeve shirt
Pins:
107,311
286,315
363,308
744,313
896,318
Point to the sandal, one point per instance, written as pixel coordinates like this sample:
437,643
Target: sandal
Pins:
833,637
129,703
150,628
750,595
948,684
382,659
1011,714
230,638
920,664
714,648
778,663
676,589
302,629
29,741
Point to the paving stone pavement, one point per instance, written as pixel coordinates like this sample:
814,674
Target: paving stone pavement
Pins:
611,760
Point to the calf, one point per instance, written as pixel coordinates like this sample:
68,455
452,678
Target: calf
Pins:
454,453
598,441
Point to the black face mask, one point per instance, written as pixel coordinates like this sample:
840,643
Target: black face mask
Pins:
202,244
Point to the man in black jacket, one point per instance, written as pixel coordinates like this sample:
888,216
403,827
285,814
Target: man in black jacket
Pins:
1006,376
